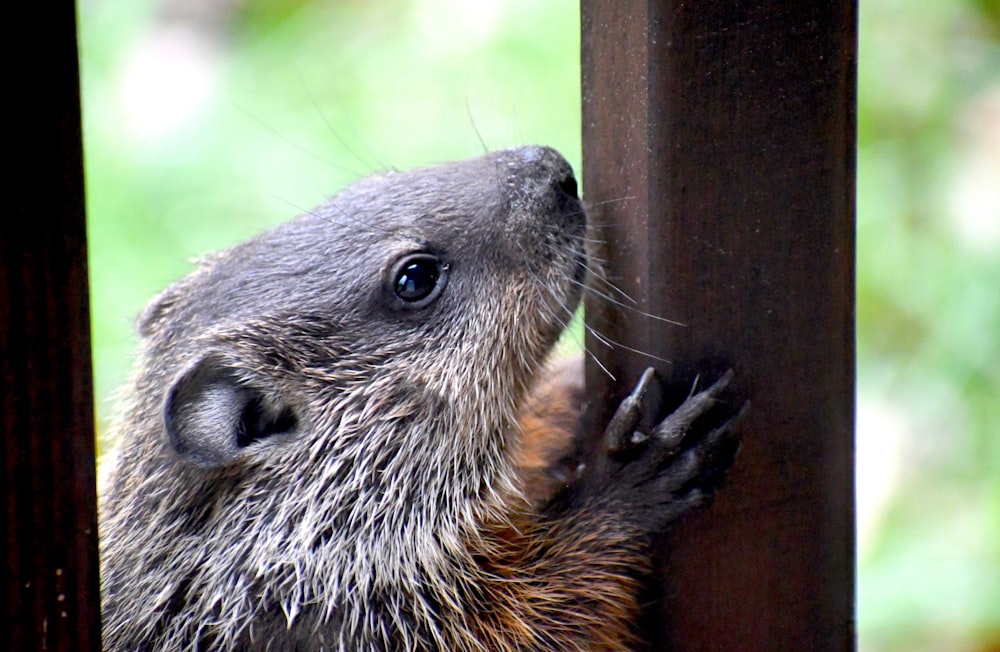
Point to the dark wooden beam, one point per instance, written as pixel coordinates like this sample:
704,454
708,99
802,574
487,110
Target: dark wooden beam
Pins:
53,601
719,155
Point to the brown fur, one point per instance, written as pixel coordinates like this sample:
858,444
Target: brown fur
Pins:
314,455
549,454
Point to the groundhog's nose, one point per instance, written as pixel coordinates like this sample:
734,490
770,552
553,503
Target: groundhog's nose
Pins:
542,174
566,196
567,186
547,165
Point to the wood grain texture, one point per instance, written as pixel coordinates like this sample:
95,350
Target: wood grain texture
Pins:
719,158
53,598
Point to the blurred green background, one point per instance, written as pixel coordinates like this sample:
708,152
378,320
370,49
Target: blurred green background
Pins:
208,120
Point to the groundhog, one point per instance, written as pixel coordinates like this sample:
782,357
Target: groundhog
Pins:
343,435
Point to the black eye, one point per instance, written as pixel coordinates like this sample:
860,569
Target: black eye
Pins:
418,279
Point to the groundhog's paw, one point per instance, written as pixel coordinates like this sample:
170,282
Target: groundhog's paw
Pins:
680,464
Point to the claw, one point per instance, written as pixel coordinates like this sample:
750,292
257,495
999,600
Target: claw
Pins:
721,383
672,429
718,450
620,434
731,423
713,441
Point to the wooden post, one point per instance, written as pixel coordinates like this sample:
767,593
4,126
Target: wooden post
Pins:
719,153
53,600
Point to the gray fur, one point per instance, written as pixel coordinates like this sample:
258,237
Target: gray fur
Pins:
385,433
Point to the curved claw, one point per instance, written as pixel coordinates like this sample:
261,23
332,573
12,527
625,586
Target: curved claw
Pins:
620,433
717,451
715,441
672,429
732,422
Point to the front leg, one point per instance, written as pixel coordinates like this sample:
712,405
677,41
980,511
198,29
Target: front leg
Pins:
569,578
675,468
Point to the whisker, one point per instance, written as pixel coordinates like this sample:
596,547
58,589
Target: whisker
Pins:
600,364
566,325
605,202
597,275
340,139
610,343
305,150
475,127
614,301
585,239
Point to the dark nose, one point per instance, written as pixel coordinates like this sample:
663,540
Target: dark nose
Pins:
567,186
542,174
566,197
545,164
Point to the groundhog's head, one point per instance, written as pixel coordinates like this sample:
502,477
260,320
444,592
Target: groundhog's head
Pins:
429,294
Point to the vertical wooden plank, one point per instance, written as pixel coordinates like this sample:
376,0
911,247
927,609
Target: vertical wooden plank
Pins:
53,598
719,151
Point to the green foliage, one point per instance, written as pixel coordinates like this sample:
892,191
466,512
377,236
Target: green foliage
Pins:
929,320
201,130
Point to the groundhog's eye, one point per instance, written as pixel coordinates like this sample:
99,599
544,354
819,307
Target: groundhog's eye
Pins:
418,279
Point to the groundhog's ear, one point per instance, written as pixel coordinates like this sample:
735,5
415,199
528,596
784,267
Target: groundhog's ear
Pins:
211,415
